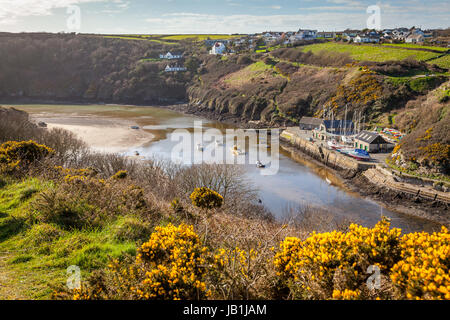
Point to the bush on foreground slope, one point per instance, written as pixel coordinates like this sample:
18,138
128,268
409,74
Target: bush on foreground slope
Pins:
174,264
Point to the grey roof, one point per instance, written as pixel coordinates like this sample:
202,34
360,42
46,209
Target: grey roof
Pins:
311,121
368,136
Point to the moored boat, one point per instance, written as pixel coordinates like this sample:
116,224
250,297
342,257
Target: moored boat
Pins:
359,154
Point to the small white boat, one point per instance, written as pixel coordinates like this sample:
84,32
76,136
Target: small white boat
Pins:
219,143
328,181
260,165
334,145
200,147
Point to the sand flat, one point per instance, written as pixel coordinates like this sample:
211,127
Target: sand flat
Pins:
101,134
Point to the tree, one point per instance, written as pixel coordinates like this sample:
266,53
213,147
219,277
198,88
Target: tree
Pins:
192,64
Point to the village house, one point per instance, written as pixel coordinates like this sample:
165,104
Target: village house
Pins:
306,34
174,69
329,129
400,34
349,35
372,142
171,56
326,35
415,38
367,38
309,123
218,48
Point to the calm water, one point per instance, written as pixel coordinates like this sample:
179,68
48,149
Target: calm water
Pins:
297,182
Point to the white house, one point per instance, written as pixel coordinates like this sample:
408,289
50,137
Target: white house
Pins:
218,48
363,38
306,34
174,69
415,38
170,56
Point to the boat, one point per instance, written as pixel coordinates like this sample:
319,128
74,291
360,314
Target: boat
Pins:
260,165
359,154
328,181
219,143
200,147
134,127
136,153
236,151
333,145
345,150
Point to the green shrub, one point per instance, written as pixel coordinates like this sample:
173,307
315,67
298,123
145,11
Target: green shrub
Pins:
66,210
43,233
3,183
132,228
28,193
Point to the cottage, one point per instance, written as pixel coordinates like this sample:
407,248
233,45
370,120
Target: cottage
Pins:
306,34
364,38
415,38
329,129
326,35
171,56
309,123
174,69
372,142
218,48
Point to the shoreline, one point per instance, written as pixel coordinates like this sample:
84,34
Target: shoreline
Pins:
395,201
98,132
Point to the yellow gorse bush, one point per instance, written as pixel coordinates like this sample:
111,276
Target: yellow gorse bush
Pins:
418,264
18,155
237,260
174,262
346,294
206,198
317,261
424,271
171,265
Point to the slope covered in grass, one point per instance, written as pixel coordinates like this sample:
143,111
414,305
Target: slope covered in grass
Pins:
35,256
371,52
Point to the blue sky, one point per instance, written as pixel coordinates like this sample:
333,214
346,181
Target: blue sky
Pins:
216,16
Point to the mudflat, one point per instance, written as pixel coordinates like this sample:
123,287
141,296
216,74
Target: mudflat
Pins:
100,133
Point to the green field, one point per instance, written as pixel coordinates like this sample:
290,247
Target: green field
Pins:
443,62
415,46
375,53
200,37
141,38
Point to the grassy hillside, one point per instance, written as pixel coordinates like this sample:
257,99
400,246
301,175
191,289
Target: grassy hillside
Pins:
89,68
36,255
426,149
375,53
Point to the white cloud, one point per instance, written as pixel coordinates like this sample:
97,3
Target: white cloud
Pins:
12,9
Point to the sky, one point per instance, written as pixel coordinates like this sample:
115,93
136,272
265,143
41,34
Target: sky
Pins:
214,16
